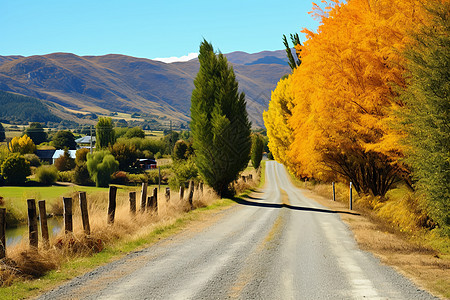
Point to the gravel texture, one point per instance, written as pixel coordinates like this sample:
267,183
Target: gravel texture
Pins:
259,249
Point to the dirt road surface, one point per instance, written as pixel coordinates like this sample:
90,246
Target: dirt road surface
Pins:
277,244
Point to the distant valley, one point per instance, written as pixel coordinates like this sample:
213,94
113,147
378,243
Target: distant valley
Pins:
72,85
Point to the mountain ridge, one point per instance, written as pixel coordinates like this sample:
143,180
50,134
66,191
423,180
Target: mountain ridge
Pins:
120,83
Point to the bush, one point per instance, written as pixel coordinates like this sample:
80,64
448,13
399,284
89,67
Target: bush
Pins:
158,155
15,169
101,165
65,162
33,159
81,174
81,155
46,174
65,176
119,177
137,178
184,171
135,132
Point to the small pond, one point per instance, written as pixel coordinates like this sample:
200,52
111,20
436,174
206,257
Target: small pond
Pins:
15,235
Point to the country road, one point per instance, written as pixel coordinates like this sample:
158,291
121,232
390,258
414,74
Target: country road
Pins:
277,244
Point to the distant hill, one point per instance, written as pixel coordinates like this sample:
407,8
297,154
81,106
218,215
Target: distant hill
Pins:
119,83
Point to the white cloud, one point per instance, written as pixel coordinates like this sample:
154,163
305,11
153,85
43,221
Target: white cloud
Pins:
172,59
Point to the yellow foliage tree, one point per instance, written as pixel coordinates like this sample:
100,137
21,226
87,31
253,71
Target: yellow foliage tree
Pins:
23,145
344,95
276,121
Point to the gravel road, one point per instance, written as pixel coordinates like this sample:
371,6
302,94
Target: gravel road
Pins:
277,244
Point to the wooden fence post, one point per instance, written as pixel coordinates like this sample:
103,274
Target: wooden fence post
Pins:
351,196
143,196
334,192
68,224
167,194
2,233
84,213
132,196
181,192
112,204
44,226
191,193
32,223
152,204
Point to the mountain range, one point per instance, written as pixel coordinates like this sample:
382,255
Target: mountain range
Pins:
125,84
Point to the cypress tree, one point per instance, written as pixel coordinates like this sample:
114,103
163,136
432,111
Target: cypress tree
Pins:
220,125
105,135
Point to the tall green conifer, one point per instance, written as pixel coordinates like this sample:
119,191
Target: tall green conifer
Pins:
220,125
427,117
105,133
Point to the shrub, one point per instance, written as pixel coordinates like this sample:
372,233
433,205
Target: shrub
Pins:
101,165
33,159
15,169
65,162
46,174
119,177
81,174
137,178
65,176
184,171
135,132
158,155
81,155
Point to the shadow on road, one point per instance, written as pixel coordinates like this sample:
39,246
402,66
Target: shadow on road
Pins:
244,201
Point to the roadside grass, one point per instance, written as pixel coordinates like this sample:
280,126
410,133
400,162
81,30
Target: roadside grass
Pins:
390,229
127,234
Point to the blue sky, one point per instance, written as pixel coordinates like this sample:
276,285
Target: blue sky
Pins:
150,29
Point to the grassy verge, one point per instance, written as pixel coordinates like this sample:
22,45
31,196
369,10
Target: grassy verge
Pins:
390,231
126,235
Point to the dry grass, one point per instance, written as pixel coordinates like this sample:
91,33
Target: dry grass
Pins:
24,263
404,250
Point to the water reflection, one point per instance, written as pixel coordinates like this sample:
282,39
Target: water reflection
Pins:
15,235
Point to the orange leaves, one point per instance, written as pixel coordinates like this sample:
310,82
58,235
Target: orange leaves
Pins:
343,94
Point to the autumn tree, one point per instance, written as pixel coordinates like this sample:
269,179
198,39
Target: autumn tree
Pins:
343,95
276,121
22,145
426,116
65,162
220,125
